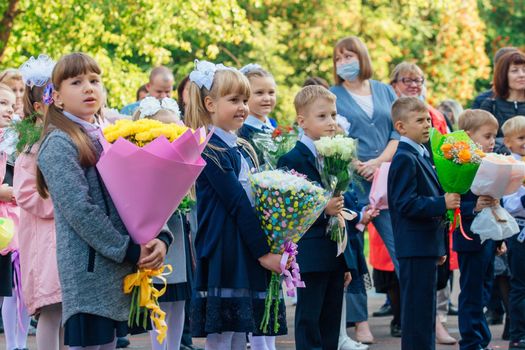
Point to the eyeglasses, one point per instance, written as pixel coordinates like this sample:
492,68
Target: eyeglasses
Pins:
417,81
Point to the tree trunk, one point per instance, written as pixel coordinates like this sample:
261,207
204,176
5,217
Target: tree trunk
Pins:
6,25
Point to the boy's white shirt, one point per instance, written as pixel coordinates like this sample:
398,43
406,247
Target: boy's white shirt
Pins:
512,202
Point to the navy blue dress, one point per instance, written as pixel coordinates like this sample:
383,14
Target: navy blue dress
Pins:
230,284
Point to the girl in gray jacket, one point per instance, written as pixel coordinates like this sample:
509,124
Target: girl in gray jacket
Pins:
94,249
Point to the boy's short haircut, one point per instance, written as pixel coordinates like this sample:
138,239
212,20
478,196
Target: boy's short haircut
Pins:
405,105
309,94
513,126
473,119
162,71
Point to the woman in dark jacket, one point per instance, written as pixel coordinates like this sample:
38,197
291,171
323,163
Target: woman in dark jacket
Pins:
509,92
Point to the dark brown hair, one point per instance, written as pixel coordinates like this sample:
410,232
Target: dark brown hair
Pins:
501,72
316,81
69,66
354,44
180,92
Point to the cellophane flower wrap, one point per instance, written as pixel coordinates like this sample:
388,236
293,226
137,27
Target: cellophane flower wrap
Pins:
337,154
148,168
497,176
457,159
274,145
287,204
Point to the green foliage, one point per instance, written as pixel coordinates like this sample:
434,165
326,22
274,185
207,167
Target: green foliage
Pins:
293,39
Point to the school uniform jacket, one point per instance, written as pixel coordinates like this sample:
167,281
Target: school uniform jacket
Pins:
417,205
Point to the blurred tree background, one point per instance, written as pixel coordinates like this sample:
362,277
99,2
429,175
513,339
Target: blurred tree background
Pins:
452,40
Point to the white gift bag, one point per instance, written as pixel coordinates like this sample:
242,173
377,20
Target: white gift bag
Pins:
494,223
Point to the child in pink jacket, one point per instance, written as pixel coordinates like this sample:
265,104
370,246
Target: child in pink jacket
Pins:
36,235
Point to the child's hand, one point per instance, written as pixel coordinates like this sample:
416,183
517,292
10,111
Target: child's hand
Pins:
442,260
348,278
369,215
152,254
452,200
502,249
6,193
334,206
271,262
485,202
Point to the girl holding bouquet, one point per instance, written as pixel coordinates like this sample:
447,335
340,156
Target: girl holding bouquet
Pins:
233,254
15,332
37,237
94,249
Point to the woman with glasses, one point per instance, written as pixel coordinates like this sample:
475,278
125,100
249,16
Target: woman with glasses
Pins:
408,80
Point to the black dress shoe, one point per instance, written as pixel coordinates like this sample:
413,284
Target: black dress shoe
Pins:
395,330
189,347
385,310
122,343
518,344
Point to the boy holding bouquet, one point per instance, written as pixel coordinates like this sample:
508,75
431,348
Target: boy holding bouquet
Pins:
417,208
318,311
476,259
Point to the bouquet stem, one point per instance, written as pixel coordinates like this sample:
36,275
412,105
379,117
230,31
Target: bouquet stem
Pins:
272,299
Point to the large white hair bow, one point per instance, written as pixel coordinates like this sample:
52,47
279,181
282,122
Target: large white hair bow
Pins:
37,71
204,73
150,106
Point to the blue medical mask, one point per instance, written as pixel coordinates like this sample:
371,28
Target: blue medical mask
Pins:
348,71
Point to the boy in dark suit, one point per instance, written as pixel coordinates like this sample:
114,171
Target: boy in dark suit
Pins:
417,208
476,259
318,311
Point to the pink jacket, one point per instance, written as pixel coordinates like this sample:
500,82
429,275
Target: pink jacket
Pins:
37,238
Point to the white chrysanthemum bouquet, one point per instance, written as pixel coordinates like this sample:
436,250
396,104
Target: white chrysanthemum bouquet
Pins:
337,154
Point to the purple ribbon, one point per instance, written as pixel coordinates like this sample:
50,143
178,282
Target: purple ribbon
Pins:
292,279
47,96
15,258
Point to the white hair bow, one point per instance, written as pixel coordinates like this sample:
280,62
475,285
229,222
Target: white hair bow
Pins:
204,73
37,71
249,68
150,106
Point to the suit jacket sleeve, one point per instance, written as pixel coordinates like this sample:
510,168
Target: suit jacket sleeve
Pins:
404,194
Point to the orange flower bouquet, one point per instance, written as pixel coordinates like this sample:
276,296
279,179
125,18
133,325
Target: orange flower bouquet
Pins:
457,159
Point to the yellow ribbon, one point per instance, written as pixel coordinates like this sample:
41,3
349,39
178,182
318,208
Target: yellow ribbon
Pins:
148,295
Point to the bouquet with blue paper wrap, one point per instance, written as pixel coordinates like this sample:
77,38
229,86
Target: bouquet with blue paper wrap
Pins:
287,204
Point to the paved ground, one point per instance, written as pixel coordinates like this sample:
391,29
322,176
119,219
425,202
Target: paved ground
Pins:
380,328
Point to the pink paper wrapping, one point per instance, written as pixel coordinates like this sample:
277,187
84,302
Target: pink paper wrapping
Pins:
147,184
498,176
379,191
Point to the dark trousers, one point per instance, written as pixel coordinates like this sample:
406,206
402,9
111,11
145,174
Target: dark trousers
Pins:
516,255
418,282
475,280
318,311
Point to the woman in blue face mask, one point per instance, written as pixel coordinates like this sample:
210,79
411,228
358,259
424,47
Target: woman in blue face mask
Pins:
366,104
